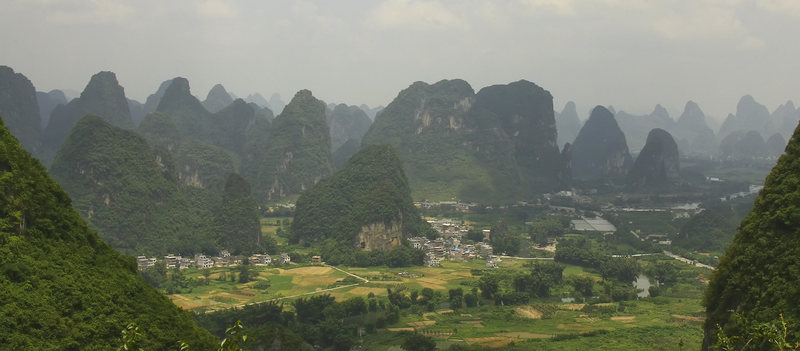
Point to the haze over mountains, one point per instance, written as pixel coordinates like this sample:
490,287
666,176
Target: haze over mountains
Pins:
185,157
482,145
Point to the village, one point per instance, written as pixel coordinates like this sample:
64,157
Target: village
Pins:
223,259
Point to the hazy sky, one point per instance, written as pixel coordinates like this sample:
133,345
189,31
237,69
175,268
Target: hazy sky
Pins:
628,53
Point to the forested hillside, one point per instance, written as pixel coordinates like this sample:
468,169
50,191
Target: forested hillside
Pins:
61,287
367,205
134,195
757,277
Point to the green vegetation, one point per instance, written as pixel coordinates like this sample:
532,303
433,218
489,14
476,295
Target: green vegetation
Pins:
61,287
298,154
496,145
757,277
371,190
131,193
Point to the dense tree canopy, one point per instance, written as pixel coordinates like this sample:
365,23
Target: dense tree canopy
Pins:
61,287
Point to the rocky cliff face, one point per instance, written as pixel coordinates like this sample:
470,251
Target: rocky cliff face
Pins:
658,164
347,122
784,119
48,102
692,133
568,124
298,154
750,115
636,128
600,151
19,109
151,104
366,204
498,143
743,145
217,99
102,97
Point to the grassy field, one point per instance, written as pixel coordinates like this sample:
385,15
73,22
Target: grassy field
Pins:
650,324
549,324
270,225
284,281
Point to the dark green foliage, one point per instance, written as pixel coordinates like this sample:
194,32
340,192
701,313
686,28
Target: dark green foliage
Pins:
541,278
370,190
160,130
758,275
19,109
298,153
710,230
418,342
131,193
344,152
579,251
61,287
620,269
542,229
113,179
237,218
202,165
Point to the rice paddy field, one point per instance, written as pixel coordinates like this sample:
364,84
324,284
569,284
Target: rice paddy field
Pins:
661,323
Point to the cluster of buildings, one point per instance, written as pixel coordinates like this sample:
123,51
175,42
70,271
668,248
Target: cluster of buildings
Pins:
458,205
266,260
450,248
223,259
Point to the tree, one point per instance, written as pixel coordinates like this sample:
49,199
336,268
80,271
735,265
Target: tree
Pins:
244,273
456,298
490,286
584,286
418,342
664,272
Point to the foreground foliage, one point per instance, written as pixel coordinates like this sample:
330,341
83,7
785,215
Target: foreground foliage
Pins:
61,287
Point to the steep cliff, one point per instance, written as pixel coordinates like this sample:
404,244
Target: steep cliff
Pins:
19,108
498,143
367,204
298,154
658,164
600,151
102,97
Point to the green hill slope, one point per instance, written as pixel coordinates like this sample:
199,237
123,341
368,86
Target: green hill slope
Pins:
494,145
367,204
758,275
61,287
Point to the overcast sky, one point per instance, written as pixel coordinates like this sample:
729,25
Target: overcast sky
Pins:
631,54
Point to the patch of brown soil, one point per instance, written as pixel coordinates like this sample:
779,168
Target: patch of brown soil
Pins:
688,318
572,306
623,318
310,270
525,335
528,312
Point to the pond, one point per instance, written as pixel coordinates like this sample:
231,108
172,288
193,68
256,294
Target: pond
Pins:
643,283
